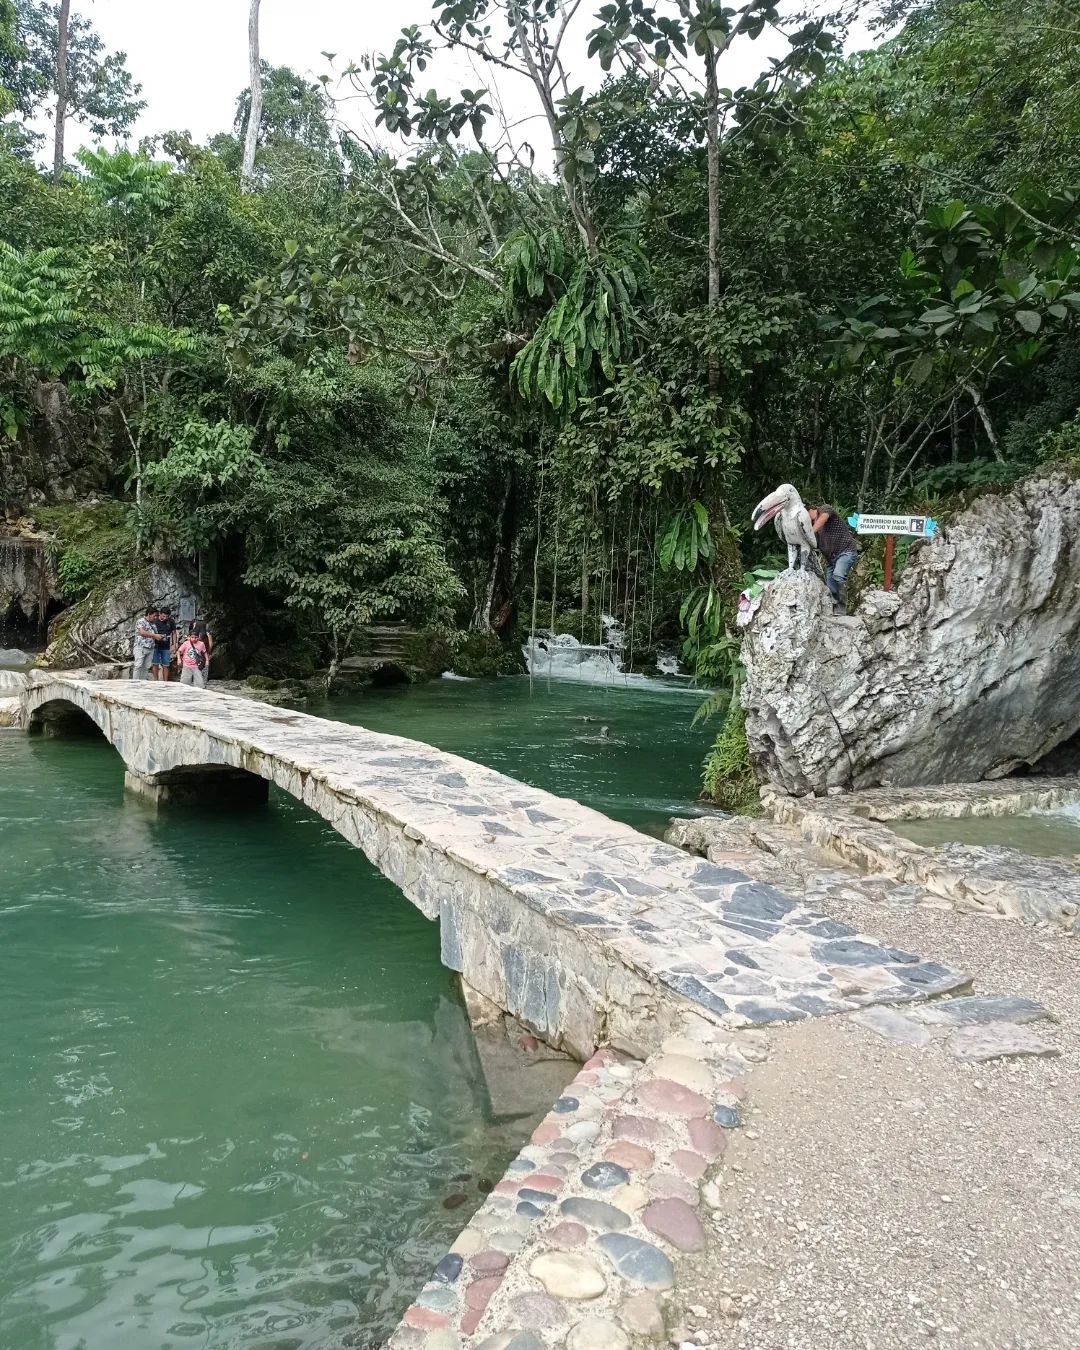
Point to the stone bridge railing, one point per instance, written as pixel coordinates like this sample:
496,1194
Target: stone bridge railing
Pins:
586,930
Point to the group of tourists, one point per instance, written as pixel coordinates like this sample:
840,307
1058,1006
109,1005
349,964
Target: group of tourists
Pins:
158,646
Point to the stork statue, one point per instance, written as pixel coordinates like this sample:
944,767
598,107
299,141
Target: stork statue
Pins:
792,523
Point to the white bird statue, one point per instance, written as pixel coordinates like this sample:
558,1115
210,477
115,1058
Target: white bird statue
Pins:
792,523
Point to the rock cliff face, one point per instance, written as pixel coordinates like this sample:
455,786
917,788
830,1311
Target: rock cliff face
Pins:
968,670
102,628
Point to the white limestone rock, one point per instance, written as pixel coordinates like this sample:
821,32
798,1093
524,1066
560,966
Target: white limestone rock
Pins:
968,670
101,629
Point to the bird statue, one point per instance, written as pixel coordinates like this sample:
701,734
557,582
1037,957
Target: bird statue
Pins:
792,523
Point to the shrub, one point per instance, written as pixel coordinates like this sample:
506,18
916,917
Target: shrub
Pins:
728,779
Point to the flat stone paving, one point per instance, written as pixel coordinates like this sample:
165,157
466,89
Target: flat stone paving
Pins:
738,950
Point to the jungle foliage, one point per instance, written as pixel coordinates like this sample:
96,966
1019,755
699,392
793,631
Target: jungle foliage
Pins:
471,376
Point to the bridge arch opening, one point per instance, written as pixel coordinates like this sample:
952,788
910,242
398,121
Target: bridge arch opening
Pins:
206,785
62,717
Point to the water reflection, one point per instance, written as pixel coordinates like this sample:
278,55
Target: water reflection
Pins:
237,1080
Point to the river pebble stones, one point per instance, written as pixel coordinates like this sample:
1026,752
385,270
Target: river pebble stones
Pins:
578,1245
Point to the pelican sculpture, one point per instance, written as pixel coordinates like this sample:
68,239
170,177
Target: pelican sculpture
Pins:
785,506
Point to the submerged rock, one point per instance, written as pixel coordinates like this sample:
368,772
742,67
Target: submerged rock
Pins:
968,670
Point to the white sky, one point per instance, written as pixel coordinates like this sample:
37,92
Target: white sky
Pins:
191,57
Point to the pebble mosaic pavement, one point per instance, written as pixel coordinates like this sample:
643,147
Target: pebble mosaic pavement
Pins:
579,1243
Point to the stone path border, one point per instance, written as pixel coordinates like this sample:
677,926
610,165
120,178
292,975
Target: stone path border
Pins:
852,826
587,931
580,1241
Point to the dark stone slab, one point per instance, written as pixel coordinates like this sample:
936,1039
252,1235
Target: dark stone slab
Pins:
710,874
603,1176
761,1014
759,902
977,1008
587,918
808,1003
830,928
522,876
448,1269
741,959
928,975
693,988
851,953
637,1262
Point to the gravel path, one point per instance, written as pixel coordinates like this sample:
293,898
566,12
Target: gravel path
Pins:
886,1196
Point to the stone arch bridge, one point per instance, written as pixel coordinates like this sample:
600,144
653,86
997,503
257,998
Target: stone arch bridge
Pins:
585,929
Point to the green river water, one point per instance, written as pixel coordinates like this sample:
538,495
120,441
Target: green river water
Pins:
237,1084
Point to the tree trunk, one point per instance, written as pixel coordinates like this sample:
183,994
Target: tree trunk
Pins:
251,140
61,90
984,418
712,98
481,620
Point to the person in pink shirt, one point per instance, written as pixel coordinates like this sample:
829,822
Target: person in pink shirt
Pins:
194,660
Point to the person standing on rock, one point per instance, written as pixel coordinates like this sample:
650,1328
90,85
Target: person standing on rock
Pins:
194,660
142,649
838,546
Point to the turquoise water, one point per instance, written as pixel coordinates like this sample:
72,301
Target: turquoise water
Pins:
533,730
237,1084
1045,834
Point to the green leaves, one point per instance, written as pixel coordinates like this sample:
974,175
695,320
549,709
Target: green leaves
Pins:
981,283
588,329
685,541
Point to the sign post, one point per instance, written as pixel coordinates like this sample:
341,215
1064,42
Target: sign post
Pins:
920,527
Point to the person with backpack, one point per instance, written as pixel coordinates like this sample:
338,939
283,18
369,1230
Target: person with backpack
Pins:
194,660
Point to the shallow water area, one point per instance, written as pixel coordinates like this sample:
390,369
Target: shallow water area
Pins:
238,1085
1043,834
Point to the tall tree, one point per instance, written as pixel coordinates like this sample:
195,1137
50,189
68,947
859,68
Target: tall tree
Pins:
251,140
97,91
60,118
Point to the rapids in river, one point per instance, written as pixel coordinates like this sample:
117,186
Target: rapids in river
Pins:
239,1089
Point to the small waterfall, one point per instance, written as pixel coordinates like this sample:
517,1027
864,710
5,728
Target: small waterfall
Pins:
27,585
561,656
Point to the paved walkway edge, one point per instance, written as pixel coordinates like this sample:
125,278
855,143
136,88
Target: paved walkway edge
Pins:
580,1243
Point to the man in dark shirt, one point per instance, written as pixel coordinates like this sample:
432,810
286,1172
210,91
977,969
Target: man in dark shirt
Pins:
839,547
161,662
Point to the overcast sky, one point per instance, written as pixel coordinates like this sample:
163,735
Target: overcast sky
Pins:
191,58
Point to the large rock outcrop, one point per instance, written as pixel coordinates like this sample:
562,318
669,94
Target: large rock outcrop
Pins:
101,627
968,670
